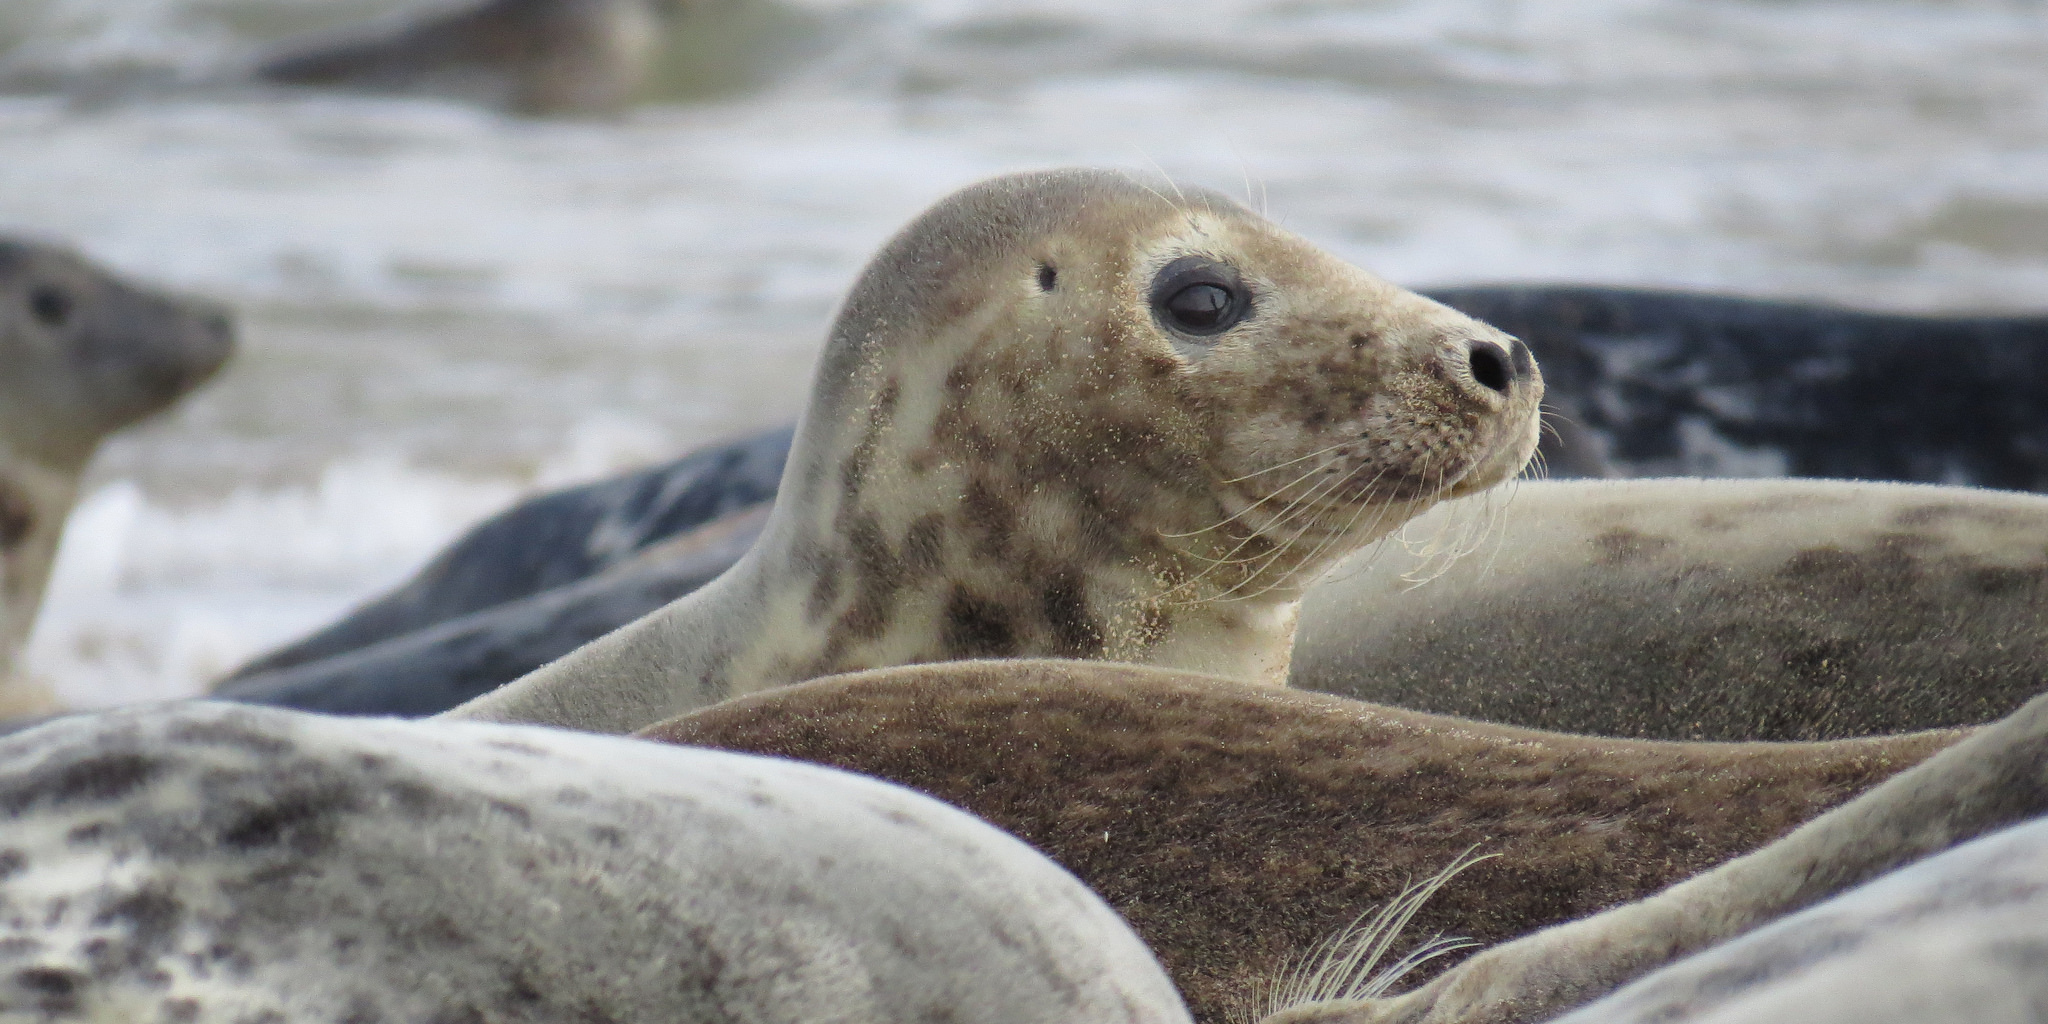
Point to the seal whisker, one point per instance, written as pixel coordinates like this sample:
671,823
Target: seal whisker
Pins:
1347,964
1290,575
1294,509
1270,495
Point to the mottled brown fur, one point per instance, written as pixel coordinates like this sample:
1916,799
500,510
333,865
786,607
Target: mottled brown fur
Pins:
1002,461
1234,827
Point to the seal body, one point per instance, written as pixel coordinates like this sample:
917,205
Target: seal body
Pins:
1994,778
1664,383
1065,413
85,353
1235,827
1689,609
212,863
1950,939
528,56
569,566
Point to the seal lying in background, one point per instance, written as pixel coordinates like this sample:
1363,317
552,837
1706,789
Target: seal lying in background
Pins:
1653,410
1236,826
1065,414
1656,383
527,56
83,353
1690,609
1719,610
528,586
1954,939
208,864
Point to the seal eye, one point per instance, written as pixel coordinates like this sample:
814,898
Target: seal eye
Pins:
1198,308
50,306
1198,296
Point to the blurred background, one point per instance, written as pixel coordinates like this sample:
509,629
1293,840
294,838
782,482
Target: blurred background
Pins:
445,307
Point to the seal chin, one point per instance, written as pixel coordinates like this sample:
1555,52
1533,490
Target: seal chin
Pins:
1499,466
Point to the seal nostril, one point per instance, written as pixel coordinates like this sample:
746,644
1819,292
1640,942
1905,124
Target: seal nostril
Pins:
1489,365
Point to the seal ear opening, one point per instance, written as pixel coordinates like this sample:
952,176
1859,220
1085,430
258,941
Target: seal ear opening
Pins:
1048,277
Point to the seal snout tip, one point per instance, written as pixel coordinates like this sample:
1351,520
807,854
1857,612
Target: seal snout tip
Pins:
1493,367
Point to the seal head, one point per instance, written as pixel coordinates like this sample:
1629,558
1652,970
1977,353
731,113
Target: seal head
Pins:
1071,414
82,354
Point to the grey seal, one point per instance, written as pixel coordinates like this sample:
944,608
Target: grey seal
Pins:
1238,827
1066,413
1995,778
208,863
85,352
1639,383
528,56
1695,609
1952,939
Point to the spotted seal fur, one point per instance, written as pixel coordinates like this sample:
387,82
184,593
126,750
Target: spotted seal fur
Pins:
1700,609
205,863
1237,826
83,353
1066,413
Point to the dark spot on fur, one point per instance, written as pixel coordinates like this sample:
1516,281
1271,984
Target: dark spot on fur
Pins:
17,517
11,863
20,946
824,589
305,820
924,546
571,796
991,518
976,627
1064,603
87,834
522,988
95,779
513,811
180,1011
1622,545
416,800
608,835
55,988
1814,562
152,915
2002,579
